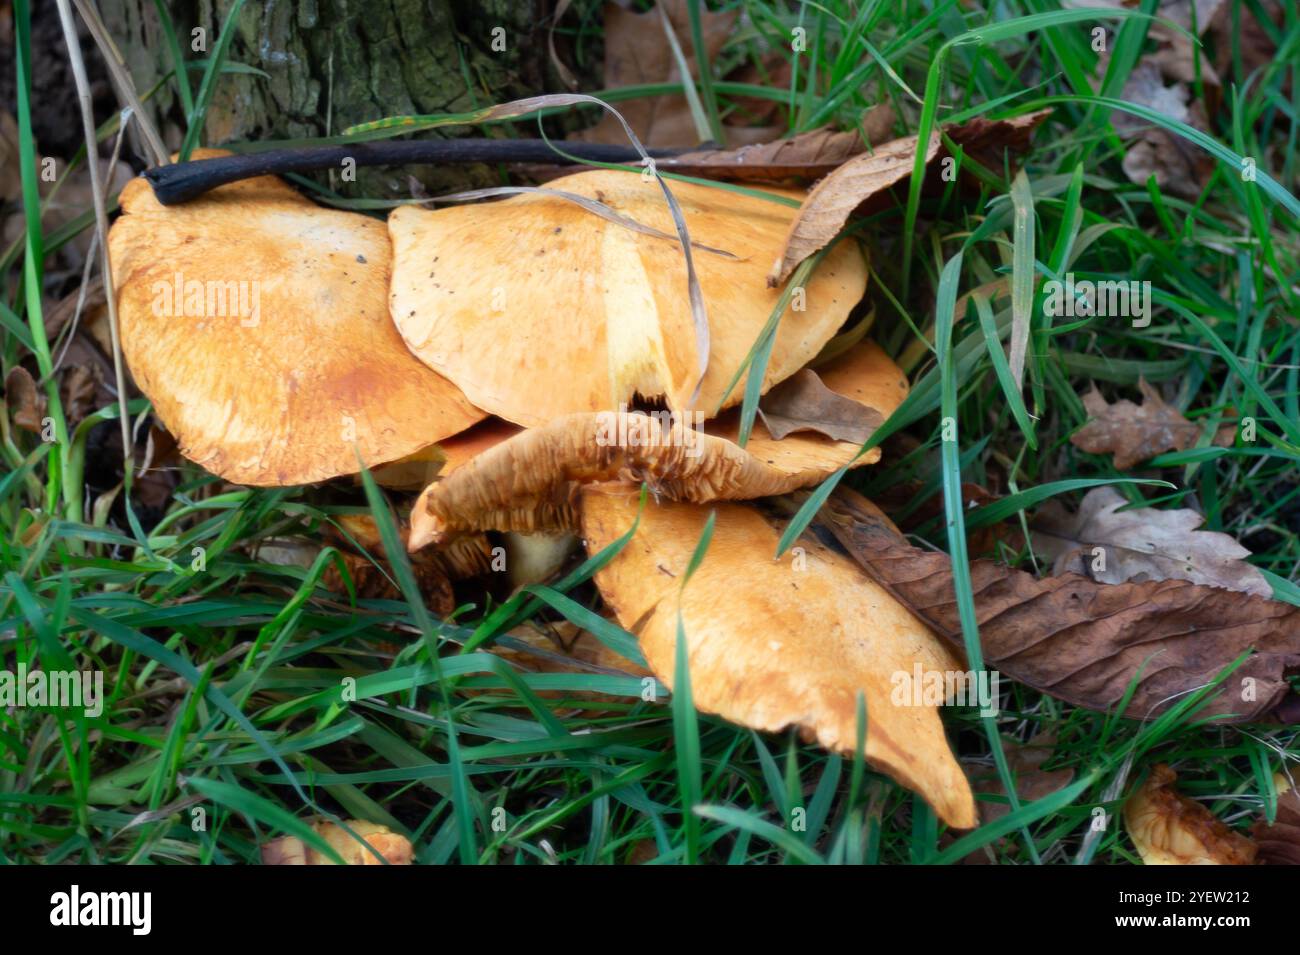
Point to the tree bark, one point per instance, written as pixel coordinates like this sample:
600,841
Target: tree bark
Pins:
328,64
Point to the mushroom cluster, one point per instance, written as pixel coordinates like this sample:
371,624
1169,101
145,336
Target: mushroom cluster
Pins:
530,365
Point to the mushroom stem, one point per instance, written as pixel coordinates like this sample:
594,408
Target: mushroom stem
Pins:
184,181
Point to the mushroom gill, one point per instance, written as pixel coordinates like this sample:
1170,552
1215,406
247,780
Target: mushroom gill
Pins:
530,481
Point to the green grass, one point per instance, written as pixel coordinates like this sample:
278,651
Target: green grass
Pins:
226,683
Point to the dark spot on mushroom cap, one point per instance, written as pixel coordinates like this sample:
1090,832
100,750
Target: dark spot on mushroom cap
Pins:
361,258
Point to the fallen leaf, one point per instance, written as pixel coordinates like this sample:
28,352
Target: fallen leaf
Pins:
1235,27
1144,543
809,155
25,401
877,123
1176,55
1032,783
79,388
774,71
988,141
562,647
1279,844
1179,167
866,176
803,403
636,53
1133,433
11,180
828,207
66,197
290,850
777,643
91,299
1168,828
1084,642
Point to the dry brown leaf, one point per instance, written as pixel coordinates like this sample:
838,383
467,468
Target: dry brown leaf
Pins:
562,647
1133,433
637,52
11,180
64,198
1235,27
1141,544
530,482
290,850
804,403
1168,828
1163,81
1279,844
809,155
25,401
777,643
867,176
988,141
1179,167
835,198
774,72
1032,783
877,123
1081,641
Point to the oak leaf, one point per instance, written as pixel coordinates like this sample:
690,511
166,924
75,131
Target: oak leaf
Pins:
1143,543
1133,433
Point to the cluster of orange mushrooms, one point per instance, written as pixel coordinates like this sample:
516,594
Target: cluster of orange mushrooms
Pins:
479,350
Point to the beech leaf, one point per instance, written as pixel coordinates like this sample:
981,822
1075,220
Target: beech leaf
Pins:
834,199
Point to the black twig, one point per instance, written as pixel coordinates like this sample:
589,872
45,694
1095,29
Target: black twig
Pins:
181,182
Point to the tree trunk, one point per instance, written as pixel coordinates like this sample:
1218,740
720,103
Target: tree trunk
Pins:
328,64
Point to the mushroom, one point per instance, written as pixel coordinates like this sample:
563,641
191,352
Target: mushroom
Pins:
1168,828
777,643
529,481
256,322
393,848
537,308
